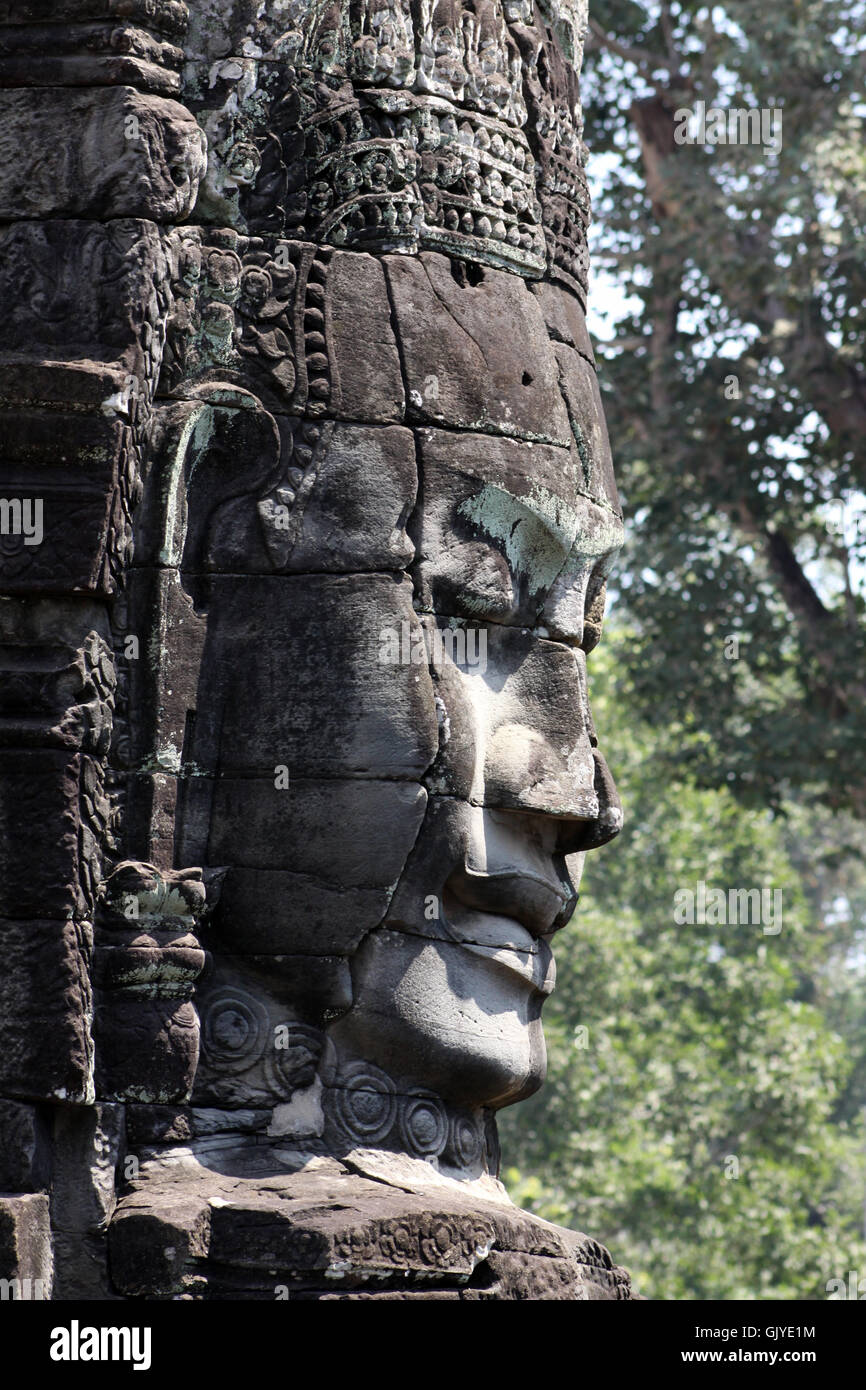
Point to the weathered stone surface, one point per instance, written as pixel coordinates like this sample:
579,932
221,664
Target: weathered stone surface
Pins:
476,353
497,523
289,1236
586,414
88,1144
219,28
348,713
152,1053
97,153
369,386
68,521
453,1006
166,16
564,317
160,640
88,55
25,1162
25,1247
276,911
45,1010
84,387
280,317
87,1150
303,986
250,818
56,675
80,290
40,815
348,515
146,802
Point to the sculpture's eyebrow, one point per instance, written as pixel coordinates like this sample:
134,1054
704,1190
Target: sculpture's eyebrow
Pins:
536,532
541,533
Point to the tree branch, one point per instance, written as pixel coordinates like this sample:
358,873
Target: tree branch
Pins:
639,56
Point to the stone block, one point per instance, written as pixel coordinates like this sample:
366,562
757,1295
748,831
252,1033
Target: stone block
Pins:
564,316
365,363
45,1011
476,351
347,710
25,1247
301,829
97,153
586,414
40,850
25,1159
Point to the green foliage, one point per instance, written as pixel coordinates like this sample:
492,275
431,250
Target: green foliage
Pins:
734,384
681,1055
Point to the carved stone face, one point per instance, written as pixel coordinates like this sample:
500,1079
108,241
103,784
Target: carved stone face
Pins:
392,712
449,989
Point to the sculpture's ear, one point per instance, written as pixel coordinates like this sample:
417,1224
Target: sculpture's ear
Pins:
216,445
203,452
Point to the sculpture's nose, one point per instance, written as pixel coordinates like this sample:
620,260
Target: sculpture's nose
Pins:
516,734
572,790
536,747
576,836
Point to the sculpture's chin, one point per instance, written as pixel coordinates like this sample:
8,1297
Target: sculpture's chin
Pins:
523,1082
441,1015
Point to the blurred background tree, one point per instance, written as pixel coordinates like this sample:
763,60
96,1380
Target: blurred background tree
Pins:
705,1111
734,383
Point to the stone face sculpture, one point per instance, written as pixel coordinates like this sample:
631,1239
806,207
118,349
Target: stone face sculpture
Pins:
297,766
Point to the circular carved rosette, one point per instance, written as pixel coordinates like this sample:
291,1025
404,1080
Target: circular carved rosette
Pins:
234,1030
363,1103
465,1142
423,1123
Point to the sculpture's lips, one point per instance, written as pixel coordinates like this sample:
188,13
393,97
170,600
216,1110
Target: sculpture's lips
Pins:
505,943
504,917
521,895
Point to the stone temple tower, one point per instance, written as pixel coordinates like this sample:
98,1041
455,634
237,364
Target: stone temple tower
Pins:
306,513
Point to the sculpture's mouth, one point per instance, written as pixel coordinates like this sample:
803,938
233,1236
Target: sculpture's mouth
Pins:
540,905
506,916
504,943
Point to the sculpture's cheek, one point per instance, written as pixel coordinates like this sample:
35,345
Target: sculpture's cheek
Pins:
515,729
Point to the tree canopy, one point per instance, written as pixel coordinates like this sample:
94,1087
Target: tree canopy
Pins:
734,383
